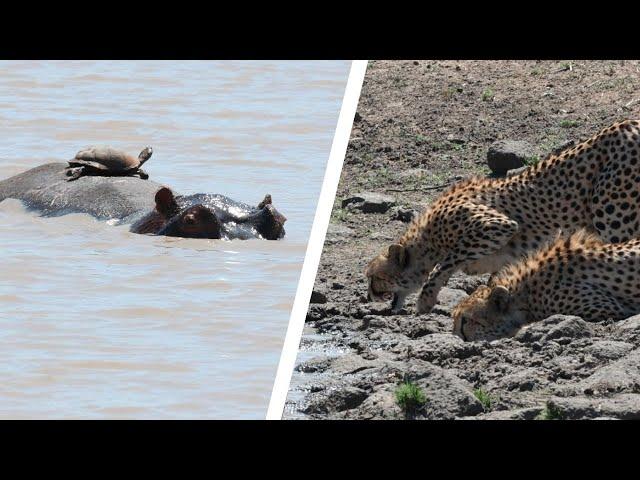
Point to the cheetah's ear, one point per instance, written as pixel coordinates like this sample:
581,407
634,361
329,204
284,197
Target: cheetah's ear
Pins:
398,255
500,298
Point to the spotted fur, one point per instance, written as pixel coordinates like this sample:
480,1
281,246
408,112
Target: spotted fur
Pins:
482,224
579,275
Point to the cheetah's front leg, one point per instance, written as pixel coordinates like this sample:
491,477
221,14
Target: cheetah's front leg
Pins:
485,231
437,279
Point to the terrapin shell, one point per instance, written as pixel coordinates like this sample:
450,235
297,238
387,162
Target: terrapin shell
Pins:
102,157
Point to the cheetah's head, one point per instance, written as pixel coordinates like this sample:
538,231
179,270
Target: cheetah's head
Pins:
487,314
387,276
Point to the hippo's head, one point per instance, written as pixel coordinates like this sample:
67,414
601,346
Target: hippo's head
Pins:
196,221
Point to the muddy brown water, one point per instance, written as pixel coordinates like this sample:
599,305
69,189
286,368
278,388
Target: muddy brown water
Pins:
96,322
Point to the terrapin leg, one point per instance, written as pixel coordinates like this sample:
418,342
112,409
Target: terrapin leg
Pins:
74,173
142,174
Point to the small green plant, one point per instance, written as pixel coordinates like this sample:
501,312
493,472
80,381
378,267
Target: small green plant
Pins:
569,123
487,95
536,71
449,92
483,397
437,145
532,160
340,215
399,82
367,157
550,413
421,139
410,397
566,66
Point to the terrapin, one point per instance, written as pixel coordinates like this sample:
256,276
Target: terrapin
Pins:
107,161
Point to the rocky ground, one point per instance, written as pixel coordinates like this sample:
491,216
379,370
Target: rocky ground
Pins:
420,126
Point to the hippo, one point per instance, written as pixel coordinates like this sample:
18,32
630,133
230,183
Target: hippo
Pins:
149,207
210,216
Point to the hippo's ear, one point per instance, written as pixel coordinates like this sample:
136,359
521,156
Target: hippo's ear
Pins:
500,298
165,202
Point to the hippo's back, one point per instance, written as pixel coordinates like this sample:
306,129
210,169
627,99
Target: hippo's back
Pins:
46,189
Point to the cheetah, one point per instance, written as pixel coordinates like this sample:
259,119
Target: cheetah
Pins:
482,224
578,275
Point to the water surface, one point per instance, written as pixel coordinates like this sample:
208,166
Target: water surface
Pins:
96,322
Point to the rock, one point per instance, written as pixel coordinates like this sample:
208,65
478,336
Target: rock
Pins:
570,327
448,397
351,364
620,376
467,283
448,298
318,312
318,297
622,407
553,328
314,366
381,405
523,380
505,155
337,400
382,236
566,366
454,139
369,202
357,117
443,346
535,331
354,199
516,414
413,174
417,328
337,234
609,349
630,325
516,171
404,215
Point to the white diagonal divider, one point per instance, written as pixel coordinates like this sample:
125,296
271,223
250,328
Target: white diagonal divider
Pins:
316,240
